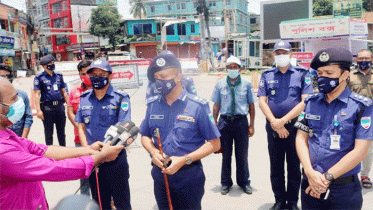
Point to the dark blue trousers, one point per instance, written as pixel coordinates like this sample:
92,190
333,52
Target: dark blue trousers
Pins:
187,187
113,182
346,196
54,115
278,149
237,131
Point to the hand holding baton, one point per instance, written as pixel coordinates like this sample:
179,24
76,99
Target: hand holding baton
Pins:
158,137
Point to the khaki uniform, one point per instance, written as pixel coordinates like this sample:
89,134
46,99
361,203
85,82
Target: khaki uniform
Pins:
363,85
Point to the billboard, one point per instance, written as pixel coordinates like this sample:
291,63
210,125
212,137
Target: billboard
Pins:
272,13
352,8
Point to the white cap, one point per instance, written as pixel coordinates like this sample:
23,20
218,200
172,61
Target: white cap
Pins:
233,59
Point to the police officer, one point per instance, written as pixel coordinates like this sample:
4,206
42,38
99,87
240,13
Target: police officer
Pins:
361,82
99,109
21,127
188,133
281,88
334,136
50,96
233,98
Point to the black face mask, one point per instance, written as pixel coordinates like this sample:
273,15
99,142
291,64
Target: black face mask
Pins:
51,67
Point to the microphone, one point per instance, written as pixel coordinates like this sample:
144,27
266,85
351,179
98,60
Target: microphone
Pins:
124,128
125,136
111,132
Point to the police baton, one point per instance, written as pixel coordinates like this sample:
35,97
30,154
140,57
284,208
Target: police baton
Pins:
158,137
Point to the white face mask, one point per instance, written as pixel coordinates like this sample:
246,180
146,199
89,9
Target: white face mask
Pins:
282,60
233,73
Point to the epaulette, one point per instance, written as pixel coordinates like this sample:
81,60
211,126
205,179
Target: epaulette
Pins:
300,68
269,70
120,92
86,92
197,99
311,97
152,99
38,75
361,99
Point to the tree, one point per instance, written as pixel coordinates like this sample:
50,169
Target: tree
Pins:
105,23
322,7
138,9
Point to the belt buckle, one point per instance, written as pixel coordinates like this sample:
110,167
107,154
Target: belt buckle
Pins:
55,103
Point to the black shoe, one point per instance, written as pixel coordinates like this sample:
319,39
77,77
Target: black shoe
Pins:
247,189
278,206
292,206
224,190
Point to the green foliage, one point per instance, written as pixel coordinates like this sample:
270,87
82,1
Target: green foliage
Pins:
138,9
322,7
105,23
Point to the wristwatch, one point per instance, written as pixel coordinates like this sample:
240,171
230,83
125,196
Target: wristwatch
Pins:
329,176
188,160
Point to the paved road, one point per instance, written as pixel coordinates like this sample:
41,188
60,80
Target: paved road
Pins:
141,182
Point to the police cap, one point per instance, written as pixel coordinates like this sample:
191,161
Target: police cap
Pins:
46,59
162,62
330,56
282,45
100,64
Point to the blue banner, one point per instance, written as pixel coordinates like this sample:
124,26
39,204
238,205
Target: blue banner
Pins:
6,42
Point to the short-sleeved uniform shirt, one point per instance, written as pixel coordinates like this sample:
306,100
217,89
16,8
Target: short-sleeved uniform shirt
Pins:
50,86
361,83
99,115
320,117
284,91
74,101
244,95
184,126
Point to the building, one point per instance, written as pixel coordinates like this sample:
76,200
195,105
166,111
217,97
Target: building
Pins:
13,38
144,37
237,13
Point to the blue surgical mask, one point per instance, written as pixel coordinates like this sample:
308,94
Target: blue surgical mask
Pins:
99,82
364,65
16,111
327,85
165,86
233,73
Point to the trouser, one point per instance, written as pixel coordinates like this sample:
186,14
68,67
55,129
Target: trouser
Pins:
345,196
187,187
112,182
54,115
236,130
279,149
367,162
84,183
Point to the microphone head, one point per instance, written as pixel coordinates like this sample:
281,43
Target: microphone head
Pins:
134,131
128,125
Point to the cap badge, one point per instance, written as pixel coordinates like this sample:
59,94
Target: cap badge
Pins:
324,57
332,83
98,62
161,62
281,43
168,85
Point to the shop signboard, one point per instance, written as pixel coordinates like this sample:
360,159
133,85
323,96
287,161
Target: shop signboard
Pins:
352,8
6,42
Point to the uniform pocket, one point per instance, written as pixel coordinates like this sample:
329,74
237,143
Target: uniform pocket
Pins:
184,130
87,116
242,96
273,89
107,117
294,90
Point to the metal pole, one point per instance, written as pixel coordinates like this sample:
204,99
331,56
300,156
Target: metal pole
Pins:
225,29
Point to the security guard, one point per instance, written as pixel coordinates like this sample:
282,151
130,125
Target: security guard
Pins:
188,133
233,98
361,82
50,96
21,127
281,88
334,136
99,109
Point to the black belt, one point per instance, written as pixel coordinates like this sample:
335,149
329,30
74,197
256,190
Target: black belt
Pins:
53,103
235,117
345,180
185,167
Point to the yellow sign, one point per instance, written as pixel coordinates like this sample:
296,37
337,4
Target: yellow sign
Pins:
8,61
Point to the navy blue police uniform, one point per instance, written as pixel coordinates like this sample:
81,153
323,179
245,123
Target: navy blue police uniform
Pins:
332,130
284,91
97,116
52,102
184,127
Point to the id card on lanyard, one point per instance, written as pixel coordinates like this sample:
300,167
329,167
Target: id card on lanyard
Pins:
335,139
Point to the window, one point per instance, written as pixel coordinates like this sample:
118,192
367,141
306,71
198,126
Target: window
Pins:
195,4
229,2
142,29
252,20
62,40
66,22
58,23
57,7
183,6
178,6
181,29
212,4
45,11
192,28
152,9
169,7
170,30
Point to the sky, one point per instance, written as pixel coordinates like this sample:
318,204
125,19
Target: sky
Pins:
123,8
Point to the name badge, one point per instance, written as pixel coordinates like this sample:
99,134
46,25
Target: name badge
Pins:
273,82
335,142
185,118
156,117
55,87
312,117
87,107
